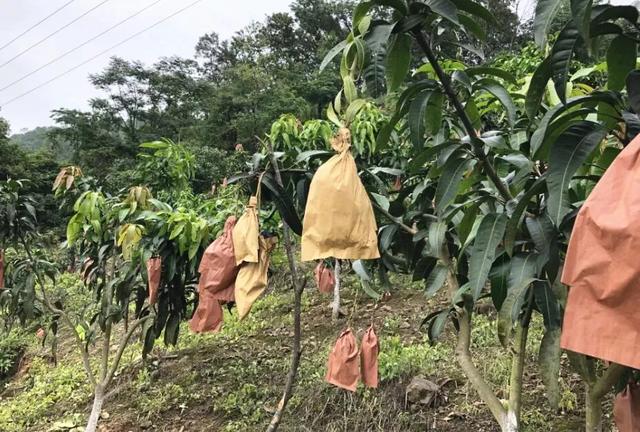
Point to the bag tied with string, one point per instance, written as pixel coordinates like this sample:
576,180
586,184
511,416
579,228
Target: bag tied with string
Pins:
343,369
246,232
218,269
338,219
154,271
253,277
626,409
369,358
601,317
325,279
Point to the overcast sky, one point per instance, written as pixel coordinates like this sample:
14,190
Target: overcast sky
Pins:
176,36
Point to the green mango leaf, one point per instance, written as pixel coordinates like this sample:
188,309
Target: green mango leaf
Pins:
284,204
567,155
435,280
547,304
416,118
436,326
633,89
581,15
452,173
445,8
475,9
561,55
493,71
472,26
546,11
497,90
537,87
483,251
398,61
333,52
549,364
621,59
435,241
521,276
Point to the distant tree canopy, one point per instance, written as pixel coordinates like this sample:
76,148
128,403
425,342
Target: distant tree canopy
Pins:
228,93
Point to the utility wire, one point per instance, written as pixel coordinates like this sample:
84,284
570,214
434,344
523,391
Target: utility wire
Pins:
80,46
36,24
24,51
157,23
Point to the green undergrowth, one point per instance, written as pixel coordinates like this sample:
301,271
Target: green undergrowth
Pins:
233,380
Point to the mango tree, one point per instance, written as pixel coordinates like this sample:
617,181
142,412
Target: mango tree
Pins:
489,195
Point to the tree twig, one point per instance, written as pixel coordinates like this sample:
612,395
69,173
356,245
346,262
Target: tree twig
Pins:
298,286
466,121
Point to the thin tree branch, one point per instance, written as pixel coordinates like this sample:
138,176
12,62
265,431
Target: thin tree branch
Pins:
466,121
298,286
395,220
122,346
65,317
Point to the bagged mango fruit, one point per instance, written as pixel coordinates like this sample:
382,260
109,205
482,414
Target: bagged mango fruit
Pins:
338,219
252,278
218,269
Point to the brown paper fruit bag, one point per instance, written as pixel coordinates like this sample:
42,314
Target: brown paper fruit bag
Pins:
218,269
325,279
154,271
246,232
369,358
208,316
626,409
601,267
343,369
252,277
338,219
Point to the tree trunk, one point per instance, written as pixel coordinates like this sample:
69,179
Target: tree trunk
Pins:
593,414
98,400
335,314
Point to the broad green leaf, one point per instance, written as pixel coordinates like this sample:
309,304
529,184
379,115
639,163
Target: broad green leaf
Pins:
435,241
436,279
398,61
608,12
621,59
416,119
546,11
350,91
360,11
493,71
284,204
433,114
445,8
521,276
333,117
561,55
549,364
475,9
483,252
537,87
567,155
497,90
633,89
542,233
333,52
499,278
436,326
547,304
452,174
381,200
353,109
581,15
472,26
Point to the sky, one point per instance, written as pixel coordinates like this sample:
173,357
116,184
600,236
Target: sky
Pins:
176,36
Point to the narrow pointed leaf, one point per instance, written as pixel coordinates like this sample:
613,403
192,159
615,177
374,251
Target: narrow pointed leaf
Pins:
483,252
452,174
561,55
398,61
546,11
621,59
537,87
566,156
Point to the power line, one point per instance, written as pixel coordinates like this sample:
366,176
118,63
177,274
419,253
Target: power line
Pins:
80,46
157,23
52,34
36,24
